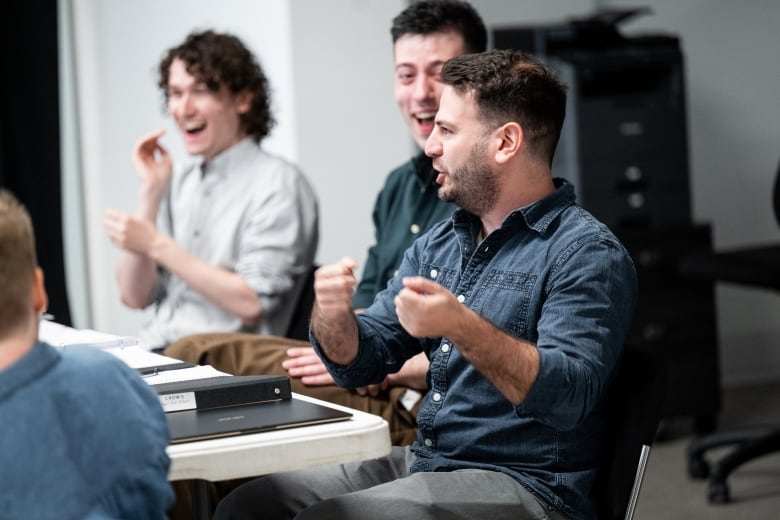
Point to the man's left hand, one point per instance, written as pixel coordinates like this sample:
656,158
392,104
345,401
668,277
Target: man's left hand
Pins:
425,308
128,232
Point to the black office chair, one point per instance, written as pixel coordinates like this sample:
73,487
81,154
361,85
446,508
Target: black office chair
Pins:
757,266
633,413
299,324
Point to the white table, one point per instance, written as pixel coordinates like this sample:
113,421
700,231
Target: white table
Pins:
364,436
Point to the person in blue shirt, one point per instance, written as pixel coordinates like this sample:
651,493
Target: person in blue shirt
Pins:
83,436
520,301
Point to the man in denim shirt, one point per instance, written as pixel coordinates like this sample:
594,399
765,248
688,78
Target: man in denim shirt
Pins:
520,301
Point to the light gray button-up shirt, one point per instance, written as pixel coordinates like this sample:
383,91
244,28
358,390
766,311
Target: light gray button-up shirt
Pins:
248,212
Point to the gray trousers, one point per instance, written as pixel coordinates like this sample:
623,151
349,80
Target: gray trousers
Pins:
383,489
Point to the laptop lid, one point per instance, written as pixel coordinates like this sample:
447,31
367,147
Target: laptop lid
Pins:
195,425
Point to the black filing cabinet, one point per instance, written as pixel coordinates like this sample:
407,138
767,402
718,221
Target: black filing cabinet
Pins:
623,143
675,315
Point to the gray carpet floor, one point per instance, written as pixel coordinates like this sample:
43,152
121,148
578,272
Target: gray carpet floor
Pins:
669,494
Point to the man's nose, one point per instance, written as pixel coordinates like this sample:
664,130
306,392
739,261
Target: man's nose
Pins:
185,105
433,144
423,87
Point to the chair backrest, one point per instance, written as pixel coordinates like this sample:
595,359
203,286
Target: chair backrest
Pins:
299,324
635,401
776,197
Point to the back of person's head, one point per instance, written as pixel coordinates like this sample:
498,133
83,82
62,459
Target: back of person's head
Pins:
509,85
436,16
219,59
17,263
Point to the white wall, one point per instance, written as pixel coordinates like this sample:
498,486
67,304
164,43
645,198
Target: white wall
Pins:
326,90
350,134
330,65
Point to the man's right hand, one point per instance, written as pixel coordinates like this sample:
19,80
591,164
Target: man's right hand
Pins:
152,163
332,319
333,288
129,233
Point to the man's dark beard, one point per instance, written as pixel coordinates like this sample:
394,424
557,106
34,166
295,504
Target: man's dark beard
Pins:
475,188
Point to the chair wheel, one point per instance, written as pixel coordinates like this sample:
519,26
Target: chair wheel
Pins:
719,493
698,468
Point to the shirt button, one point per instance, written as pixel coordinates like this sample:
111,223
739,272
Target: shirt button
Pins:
428,442
461,298
445,348
434,273
414,229
437,397
395,273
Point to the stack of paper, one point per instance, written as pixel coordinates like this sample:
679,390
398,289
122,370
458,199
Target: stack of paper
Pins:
154,368
62,336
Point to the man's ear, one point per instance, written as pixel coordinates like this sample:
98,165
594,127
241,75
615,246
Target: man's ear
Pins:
243,101
510,137
40,299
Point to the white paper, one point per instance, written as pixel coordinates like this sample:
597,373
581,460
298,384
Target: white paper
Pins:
62,336
137,357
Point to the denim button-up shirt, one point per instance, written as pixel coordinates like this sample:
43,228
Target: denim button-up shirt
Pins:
551,275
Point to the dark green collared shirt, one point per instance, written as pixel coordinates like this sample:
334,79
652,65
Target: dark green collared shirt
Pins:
407,207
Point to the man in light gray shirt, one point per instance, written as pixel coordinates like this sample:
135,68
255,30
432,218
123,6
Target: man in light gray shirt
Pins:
224,243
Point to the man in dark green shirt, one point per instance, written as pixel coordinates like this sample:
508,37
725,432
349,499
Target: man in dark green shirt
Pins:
406,207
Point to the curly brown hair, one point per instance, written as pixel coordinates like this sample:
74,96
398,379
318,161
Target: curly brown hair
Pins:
219,59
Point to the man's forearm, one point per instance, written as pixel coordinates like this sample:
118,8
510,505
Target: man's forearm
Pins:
511,364
337,336
136,275
225,289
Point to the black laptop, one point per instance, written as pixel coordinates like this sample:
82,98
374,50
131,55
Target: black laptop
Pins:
196,425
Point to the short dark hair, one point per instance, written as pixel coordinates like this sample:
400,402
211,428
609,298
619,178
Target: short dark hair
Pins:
17,262
435,16
222,59
509,85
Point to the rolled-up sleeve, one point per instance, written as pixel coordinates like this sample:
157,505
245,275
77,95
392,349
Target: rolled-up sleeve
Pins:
279,238
592,293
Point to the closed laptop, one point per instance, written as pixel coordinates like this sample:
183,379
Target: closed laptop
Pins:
194,425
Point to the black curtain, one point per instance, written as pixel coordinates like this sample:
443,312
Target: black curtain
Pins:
30,147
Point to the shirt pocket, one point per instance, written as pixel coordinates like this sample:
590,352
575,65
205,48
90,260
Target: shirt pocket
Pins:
504,298
442,275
